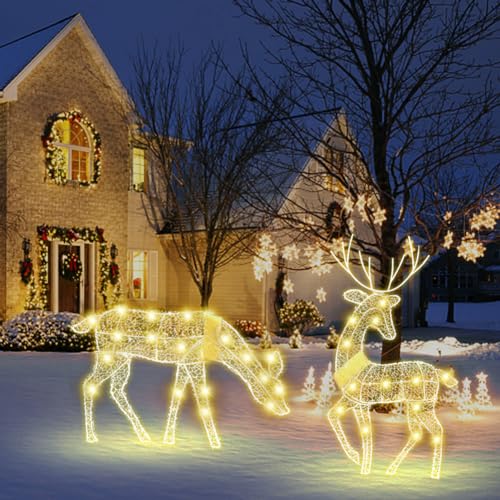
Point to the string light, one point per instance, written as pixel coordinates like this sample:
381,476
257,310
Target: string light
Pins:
364,383
470,249
188,340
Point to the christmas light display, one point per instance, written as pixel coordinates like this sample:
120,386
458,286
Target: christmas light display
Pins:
327,390
309,389
483,399
464,404
470,249
321,295
364,383
188,340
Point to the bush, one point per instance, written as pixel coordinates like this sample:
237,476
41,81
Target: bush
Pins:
249,328
44,331
301,314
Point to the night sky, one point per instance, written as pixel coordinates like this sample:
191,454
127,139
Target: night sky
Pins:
119,24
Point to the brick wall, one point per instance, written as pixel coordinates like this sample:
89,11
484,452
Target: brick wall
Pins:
66,79
3,207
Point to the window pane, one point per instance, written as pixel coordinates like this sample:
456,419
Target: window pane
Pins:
138,169
138,275
78,135
79,165
62,130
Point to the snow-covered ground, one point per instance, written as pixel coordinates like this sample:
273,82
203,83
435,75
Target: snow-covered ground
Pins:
44,455
479,316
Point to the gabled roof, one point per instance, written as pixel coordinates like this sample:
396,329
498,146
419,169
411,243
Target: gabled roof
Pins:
19,58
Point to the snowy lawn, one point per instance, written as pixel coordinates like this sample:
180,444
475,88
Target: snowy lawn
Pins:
44,455
480,316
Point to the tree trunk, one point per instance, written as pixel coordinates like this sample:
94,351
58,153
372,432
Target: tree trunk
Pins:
451,264
205,293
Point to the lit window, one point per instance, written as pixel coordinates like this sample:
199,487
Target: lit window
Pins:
138,169
138,274
74,143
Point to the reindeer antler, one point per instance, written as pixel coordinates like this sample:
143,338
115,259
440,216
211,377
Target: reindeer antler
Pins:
416,265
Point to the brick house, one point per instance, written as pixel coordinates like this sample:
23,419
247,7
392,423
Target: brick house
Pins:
71,182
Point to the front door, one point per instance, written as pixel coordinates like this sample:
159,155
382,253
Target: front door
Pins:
69,290
68,295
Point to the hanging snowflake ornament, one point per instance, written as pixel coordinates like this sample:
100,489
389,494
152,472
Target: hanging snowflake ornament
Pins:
288,285
348,204
321,295
447,216
485,219
448,240
291,252
263,261
470,249
379,216
316,263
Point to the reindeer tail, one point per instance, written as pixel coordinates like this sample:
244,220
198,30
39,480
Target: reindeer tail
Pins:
446,377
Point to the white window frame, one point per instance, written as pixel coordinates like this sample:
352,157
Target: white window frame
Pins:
133,186
151,277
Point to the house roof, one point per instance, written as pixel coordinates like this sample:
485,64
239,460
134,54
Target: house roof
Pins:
16,54
18,58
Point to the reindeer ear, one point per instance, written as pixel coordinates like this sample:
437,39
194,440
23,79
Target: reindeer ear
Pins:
394,300
355,296
274,363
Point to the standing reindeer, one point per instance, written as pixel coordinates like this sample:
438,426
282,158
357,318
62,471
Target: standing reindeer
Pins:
189,340
364,383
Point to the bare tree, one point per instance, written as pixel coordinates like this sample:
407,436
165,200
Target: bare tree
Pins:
205,169
419,99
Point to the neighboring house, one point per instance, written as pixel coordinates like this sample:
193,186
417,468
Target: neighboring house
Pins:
474,281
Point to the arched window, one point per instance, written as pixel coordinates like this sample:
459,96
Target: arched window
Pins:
336,221
74,143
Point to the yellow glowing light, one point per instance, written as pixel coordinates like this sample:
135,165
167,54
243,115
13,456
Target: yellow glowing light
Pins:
271,357
364,383
187,340
353,320
121,310
226,339
279,389
92,320
152,315
346,344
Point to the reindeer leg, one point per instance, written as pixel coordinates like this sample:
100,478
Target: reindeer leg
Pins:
119,380
415,428
197,376
362,414
432,424
334,418
101,372
181,379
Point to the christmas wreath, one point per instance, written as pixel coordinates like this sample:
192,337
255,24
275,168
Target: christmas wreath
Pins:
26,270
56,160
71,266
114,273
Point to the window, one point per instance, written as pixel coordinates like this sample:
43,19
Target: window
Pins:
138,169
74,143
142,274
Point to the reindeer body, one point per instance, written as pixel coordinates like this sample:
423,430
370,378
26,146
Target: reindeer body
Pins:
364,383
188,340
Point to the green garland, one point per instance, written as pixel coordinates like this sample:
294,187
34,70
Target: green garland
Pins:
54,156
68,236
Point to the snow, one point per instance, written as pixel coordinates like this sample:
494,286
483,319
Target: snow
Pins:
480,316
44,454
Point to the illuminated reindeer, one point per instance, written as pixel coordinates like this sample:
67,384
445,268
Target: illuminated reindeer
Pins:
364,383
189,340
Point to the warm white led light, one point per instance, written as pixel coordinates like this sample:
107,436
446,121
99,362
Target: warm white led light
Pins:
364,383
187,340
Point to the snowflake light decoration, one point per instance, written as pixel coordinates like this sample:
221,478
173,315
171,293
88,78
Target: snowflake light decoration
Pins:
348,204
364,383
321,295
288,285
470,249
448,240
188,340
263,261
379,216
486,218
291,252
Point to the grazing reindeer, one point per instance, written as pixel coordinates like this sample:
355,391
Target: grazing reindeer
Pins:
189,340
364,383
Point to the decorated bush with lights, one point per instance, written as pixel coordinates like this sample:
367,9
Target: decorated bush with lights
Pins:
188,340
43,331
301,315
249,328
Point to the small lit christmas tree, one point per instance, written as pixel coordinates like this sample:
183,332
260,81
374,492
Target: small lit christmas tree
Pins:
483,399
327,389
332,339
295,341
265,341
309,389
465,404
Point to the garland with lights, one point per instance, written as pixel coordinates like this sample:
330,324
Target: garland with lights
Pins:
54,156
68,236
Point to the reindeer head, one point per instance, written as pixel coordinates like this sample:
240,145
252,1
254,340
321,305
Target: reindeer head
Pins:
374,307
